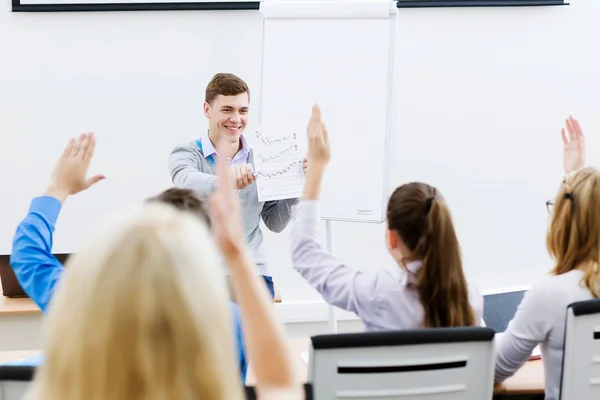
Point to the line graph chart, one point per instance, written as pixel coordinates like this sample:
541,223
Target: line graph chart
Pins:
281,173
283,154
276,140
278,165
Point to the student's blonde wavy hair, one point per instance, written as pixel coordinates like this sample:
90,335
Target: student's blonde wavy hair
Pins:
573,237
141,314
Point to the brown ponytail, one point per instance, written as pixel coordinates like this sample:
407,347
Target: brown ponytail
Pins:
418,214
573,237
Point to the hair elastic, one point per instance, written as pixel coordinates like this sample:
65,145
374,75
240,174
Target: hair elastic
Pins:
569,196
428,204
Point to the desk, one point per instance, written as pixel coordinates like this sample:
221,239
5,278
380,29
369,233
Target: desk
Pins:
528,380
18,306
20,319
10,356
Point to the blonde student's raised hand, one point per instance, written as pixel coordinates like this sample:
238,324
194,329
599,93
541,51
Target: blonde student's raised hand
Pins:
318,140
70,172
226,210
574,146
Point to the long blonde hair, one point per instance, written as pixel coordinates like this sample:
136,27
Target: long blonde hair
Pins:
142,314
573,237
419,215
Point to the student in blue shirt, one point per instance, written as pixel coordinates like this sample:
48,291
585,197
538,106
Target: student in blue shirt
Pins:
36,268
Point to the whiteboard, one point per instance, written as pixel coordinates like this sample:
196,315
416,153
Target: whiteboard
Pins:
339,55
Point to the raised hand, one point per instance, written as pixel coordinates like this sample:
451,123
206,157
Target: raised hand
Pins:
574,146
225,208
318,155
70,172
318,140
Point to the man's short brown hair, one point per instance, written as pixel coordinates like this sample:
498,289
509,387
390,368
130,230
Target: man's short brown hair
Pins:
225,84
184,200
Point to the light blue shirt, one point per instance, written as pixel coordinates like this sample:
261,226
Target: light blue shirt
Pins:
384,300
241,157
39,272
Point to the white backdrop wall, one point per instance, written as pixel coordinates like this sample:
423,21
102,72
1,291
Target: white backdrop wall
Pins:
481,94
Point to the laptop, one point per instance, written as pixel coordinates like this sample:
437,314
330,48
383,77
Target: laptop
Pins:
499,308
10,284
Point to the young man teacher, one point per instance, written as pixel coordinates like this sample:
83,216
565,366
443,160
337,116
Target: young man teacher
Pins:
192,164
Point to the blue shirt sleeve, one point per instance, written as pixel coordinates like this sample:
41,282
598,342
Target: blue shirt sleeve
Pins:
36,268
239,339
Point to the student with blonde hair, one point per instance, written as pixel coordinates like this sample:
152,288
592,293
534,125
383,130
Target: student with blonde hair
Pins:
39,271
573,241
428,289
141,312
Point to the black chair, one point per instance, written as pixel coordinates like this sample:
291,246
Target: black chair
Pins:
251,392
14,381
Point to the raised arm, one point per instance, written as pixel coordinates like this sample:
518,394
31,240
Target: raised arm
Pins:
37,270
276,377
185,173
339,285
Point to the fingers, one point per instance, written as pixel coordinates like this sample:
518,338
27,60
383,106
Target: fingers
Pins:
317,113
570,128
325,133
77,146
238,176
91,147
574,130
243,176
314,122
250,173
93,180
69,148
577,128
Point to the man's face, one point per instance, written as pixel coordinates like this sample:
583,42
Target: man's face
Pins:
227,117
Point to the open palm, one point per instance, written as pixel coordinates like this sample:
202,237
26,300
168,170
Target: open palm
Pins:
574,146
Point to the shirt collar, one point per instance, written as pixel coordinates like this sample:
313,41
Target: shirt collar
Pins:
408,276
209,149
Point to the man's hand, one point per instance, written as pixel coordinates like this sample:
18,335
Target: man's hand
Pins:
574,146
243,175
69,174
305,164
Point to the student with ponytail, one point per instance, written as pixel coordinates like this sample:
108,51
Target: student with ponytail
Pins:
428,289
573,241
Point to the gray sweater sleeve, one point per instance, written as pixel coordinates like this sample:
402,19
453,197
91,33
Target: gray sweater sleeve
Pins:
184,166
277,214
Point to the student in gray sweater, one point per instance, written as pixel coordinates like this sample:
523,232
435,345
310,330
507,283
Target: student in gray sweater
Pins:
192,164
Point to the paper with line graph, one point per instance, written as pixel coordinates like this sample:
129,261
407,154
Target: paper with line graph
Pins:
278,165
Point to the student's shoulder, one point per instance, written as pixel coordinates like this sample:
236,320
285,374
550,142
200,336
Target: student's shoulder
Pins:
475,297
556,285
189,146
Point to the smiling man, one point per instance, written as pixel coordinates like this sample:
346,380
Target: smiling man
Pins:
192,164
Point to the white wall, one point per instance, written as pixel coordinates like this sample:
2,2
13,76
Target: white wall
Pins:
481,95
